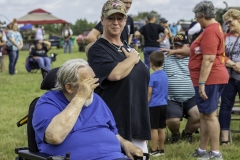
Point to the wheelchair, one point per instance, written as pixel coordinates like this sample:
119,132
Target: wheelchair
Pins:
31,152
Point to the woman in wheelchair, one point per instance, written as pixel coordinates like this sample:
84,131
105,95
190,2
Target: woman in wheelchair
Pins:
39,53
74,119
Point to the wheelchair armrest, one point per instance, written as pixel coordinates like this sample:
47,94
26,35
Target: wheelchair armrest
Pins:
146,155
26,154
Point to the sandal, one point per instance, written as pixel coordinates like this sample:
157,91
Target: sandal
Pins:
225,143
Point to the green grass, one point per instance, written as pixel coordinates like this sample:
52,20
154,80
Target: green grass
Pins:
16,93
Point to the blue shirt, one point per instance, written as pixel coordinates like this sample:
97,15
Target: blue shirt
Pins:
92,137
174,30
16,36
159,83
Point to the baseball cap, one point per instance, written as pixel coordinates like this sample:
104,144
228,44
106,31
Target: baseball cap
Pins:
163,20
180,39
150,16
112,7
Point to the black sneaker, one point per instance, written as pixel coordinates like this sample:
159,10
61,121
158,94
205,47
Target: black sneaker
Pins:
161,152
187,136
154,153
175,138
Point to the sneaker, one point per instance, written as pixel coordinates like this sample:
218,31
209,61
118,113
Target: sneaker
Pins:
187,136
212,155
175,138
154,153
161,152
199,154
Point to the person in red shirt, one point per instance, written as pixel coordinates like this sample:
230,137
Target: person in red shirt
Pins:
209,76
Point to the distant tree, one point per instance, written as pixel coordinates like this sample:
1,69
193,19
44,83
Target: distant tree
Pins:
219,13
142,16
79,27
82,25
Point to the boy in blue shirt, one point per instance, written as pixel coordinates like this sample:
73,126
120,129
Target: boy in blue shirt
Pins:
157,98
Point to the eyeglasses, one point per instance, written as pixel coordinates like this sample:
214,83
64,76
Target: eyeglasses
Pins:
228,22
119,19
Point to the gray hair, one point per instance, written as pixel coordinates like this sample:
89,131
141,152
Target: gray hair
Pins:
205,8
68,73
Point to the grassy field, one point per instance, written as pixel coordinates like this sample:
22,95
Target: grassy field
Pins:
16,93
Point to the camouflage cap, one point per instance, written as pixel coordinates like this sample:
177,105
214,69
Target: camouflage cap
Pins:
113,6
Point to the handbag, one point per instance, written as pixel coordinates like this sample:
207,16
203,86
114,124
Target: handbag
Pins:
9,48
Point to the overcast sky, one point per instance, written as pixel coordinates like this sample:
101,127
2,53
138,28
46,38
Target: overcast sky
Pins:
71,10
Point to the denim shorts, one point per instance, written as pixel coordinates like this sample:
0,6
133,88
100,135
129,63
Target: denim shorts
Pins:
213,93
180,109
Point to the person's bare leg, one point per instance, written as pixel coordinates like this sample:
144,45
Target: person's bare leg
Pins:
154,134
204,136
225,136
173,125
193,122
162,137
213,130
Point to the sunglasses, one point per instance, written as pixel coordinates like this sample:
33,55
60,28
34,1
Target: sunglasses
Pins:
228,22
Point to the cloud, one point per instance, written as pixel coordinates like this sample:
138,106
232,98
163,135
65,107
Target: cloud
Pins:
173,10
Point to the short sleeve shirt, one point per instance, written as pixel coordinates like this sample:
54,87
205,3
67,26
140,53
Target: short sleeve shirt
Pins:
126,98
151,33
159,83
41,53
233,52
210,42
16,36
95,129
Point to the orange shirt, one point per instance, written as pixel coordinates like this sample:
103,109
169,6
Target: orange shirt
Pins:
209,42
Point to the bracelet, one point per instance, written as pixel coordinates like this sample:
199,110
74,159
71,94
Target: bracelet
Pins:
201,82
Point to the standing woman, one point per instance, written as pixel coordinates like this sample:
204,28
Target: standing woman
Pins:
123,77
14,45
232,43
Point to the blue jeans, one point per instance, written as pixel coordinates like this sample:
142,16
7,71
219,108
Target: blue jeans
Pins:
68,44
44,62
147,51
227,102
13,57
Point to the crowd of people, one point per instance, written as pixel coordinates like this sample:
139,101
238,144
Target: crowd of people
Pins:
113,104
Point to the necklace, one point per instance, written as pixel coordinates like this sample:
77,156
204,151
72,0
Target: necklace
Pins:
114,45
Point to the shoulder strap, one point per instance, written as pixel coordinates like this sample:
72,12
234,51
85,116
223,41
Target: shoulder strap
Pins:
230,54
233,47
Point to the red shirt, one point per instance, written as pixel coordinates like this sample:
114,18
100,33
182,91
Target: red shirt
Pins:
210,42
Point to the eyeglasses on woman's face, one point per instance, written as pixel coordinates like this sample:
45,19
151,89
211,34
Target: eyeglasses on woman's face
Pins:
228,22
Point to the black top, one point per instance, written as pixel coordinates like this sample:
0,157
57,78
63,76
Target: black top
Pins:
39,52
127,30
126,98
151,32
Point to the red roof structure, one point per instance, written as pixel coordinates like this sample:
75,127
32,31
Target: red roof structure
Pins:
39,16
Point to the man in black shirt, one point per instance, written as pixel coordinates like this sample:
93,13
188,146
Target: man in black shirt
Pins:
127,32
151,32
